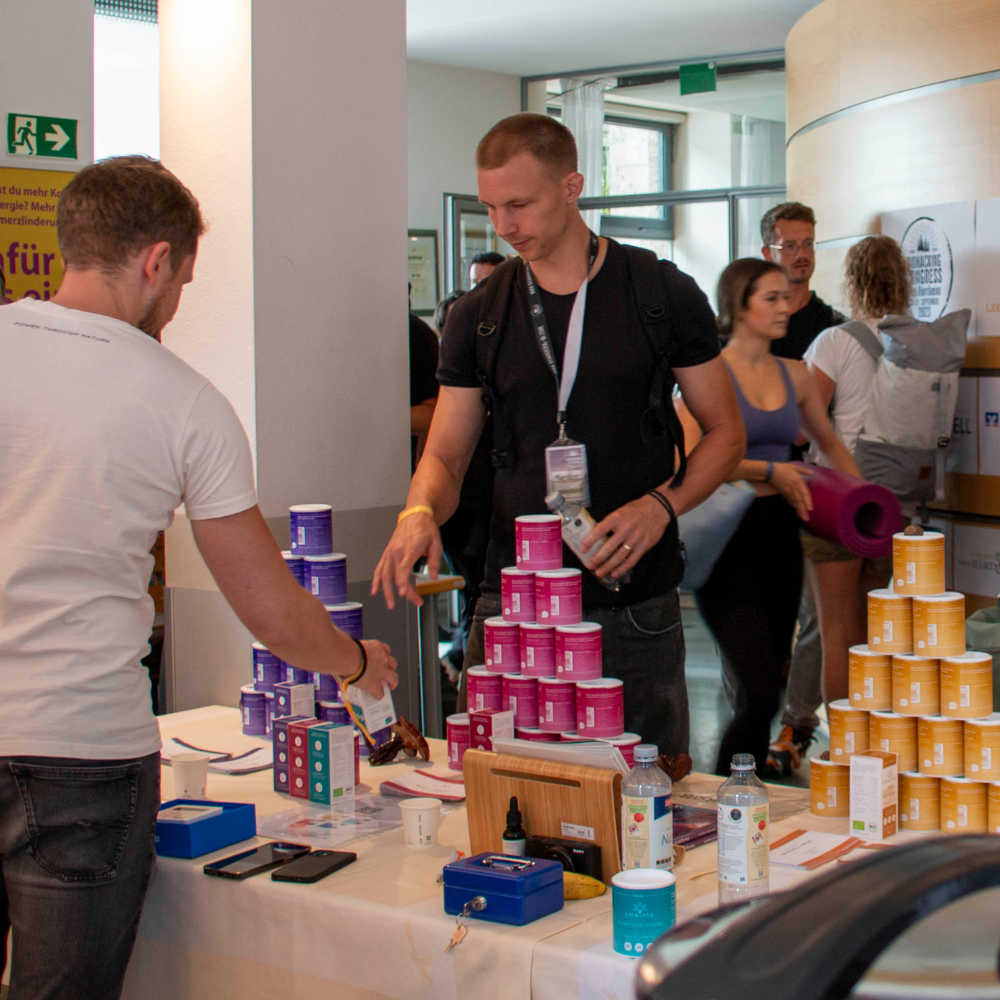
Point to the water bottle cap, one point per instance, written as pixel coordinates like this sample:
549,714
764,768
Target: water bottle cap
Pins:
554,500
647,751
743,762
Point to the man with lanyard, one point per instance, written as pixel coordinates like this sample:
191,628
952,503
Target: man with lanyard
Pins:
598,395
788,232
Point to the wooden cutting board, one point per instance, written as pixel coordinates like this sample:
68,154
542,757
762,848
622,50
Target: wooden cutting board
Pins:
549,794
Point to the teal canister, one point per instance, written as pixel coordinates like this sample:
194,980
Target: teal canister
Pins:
644,906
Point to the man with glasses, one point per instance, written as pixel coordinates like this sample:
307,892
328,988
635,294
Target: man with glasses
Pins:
789,235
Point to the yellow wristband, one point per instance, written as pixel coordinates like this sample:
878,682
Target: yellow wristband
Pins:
420,508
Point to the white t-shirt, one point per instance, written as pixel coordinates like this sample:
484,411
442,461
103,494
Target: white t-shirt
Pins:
842,359
103,434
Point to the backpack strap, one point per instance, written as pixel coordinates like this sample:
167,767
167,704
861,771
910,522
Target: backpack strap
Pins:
862,333
650,294
489,330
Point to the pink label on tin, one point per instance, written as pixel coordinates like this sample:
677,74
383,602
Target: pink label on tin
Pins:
535,735
556,706
626,744
579,652
457,727
559,597
600,708
485,689
538,651
538,541
517,595
520,696
502,645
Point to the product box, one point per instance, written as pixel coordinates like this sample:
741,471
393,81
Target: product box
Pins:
294,699
236,822
331,763
487,723
375,713
874,775
280,738
298,757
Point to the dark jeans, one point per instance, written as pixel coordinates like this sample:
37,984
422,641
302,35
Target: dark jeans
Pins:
76,854
644,648
750,603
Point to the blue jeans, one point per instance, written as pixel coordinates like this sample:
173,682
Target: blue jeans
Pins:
76,854
644,648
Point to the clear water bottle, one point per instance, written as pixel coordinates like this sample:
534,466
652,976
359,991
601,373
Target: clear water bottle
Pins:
648,825
744,834
577,523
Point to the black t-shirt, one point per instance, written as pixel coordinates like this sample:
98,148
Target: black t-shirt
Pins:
609,397
423,361
804,326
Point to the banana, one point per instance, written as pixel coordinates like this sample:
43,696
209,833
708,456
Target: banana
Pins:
576,886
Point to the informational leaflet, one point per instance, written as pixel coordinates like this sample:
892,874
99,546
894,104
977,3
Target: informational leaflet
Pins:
809,849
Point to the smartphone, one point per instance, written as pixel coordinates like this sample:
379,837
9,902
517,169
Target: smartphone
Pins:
312,867
256,860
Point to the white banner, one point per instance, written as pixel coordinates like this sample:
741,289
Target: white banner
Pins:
989,426
988,267
977,560
963,452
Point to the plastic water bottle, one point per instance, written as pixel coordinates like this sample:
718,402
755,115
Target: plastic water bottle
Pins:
744,834
647,795
577,523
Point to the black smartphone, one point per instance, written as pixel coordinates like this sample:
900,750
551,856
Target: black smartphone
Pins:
312,867
256,860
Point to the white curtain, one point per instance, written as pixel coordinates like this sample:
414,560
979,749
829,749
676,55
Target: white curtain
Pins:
583,115
758,159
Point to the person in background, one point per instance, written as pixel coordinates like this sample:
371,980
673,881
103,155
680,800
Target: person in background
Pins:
423,384
103,434
483,265
442,309
751,599
877,283
528,180
788,233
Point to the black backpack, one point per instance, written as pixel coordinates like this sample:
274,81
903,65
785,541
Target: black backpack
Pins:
649,291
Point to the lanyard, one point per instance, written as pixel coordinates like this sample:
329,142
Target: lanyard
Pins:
574,335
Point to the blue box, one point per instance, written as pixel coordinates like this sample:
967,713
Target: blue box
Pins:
190,840
516,890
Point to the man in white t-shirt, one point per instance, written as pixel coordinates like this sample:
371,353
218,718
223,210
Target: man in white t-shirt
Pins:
103,434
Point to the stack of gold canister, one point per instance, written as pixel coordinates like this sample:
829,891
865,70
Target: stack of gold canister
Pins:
915,690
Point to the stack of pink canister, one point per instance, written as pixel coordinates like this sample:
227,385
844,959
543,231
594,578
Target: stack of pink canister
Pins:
543,662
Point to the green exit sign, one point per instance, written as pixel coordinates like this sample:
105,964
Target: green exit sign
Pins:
38,135
697,78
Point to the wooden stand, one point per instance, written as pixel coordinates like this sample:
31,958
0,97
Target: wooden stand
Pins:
548,794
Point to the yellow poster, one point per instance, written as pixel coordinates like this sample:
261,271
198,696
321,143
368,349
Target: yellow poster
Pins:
29,252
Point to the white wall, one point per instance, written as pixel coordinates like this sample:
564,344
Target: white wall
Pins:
448,111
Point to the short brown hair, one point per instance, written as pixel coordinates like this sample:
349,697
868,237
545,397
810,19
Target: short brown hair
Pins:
113,208
793,211
736,284
548,141
877,278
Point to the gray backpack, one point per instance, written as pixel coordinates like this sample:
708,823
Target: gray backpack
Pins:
909,418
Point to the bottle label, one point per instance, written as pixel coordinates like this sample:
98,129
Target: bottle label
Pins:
575,530
649,832
744,836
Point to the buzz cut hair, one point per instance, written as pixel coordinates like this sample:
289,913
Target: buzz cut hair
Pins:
547,140
791,211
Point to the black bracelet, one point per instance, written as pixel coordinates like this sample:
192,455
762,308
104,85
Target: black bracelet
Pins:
364,661
663,502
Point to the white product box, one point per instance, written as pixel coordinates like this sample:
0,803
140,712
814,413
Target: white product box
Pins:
376,713
874,783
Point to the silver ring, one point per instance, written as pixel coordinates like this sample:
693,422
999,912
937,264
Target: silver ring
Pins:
627,548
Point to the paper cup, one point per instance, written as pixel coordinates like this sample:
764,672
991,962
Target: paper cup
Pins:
501,644
918,563
538,541
829,788
963,805
578,651
940,746
535,735
993,806
559,597
890,622
190,775
919,801
916,685
457,730
517,594
538,650
485,689
939,625
967,686
848,731
520,696
600,708
643,905
982,748
895,734
869,679
556,705
421,818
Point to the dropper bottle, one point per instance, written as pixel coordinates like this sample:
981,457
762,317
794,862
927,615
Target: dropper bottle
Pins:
513,836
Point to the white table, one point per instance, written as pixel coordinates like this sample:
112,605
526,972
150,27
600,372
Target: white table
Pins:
377,929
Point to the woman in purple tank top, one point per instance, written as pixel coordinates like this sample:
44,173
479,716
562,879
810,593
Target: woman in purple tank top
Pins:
751,600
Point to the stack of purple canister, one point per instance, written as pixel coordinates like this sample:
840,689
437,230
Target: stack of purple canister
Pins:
543,662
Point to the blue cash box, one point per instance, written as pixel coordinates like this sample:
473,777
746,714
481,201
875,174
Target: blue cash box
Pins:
237,822
516,890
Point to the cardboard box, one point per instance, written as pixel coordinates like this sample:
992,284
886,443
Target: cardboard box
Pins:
375,713
294,699
874,782
331,763
487,723
298,757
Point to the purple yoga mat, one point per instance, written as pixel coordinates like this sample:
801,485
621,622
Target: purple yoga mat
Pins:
861,516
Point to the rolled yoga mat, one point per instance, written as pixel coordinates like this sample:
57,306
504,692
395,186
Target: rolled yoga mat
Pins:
861,516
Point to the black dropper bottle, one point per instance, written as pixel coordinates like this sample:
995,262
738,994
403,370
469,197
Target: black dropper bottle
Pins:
513,836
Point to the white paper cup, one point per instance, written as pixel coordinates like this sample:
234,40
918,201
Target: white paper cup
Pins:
420,821
190,775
